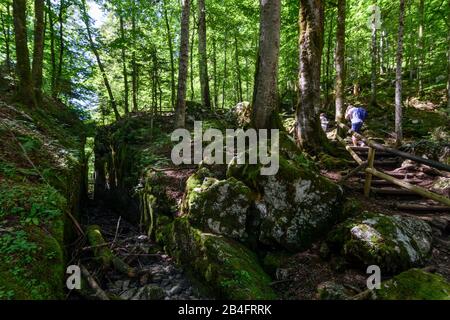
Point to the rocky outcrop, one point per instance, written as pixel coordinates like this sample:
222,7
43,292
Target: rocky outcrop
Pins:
223,265
296,206
394,243
413,284
220,207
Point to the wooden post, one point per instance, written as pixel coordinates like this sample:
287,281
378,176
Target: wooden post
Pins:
368,184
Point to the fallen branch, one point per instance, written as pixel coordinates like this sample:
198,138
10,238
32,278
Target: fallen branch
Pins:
104,254
99,293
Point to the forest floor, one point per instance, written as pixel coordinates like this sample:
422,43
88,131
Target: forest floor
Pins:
158,276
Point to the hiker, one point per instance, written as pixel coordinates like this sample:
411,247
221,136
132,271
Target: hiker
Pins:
357,116
324,122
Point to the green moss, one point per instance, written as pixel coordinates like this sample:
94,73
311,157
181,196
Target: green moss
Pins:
414,284
34,267
274,260
393,243
227,268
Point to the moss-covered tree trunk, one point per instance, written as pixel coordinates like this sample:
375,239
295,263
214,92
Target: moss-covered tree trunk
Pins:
180,111
398,77
340,61
203,56
265,96
25,88
310,136
38,52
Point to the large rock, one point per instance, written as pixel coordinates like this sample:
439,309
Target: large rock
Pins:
296,207
393,243
225,266
218,206
413,284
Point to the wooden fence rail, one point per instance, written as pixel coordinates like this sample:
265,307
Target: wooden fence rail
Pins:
369,169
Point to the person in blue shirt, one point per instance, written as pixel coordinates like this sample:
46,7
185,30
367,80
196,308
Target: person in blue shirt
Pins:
357,116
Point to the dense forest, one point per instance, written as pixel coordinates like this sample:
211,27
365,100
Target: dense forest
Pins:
351,97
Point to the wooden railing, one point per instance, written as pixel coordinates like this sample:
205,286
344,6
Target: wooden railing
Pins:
369,169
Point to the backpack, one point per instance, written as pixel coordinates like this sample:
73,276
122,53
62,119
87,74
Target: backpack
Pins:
362,113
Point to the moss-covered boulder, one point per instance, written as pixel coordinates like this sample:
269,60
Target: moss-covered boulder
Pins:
296,207
394,243
217,206
226,267
414,284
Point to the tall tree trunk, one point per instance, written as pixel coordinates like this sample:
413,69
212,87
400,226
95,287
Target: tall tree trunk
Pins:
448,59
225,69
374,55
62,9
265,95
203,56
180,112
124,65
191,64
421,44
38,52
7,35
328,82
134,82
216,95
172,62
238,70
25,87
112,101
398,77
309,133
340,61
52,49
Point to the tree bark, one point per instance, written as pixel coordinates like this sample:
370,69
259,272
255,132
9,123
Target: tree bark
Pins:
225,70
421,47
172,62
134,82
124,64
112,101
203,56
58,80
216,96
180,112
374,55
310,136
25,87
7,35
340,61
265,95
398,77
238,70
38,52
191,64
52,48
448,59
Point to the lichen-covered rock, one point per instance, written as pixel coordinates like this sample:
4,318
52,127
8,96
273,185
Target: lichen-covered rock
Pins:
297,206
226,267
217,206
394,243
413,284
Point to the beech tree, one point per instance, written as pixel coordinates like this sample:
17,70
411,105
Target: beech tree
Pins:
398,77
203,56
38,52
310,136
265,96
180,111
340,61
25,92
